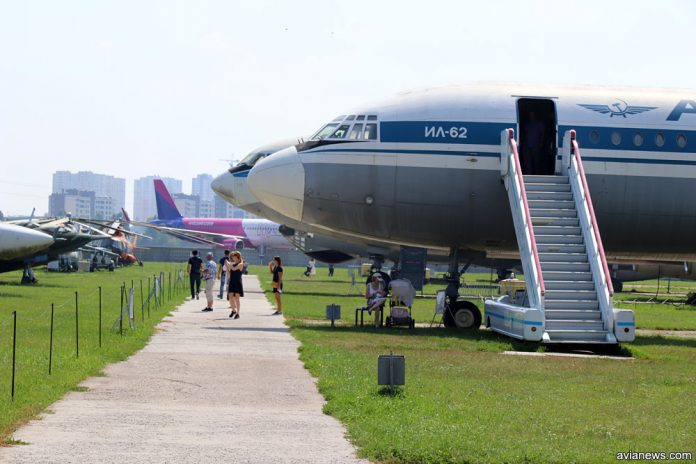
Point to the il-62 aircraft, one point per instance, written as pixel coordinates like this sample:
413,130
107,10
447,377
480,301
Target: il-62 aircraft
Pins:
506,171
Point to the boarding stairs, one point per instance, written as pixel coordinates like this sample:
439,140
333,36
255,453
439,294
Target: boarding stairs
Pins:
569,289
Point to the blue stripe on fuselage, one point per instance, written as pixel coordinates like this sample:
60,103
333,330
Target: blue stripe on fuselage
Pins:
453,132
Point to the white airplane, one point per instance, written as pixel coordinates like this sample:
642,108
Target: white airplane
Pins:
18,242
437,168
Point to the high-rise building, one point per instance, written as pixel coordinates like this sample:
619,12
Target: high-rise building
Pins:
223,209
188,205
144,205
78,203
101,184
201,186
206,209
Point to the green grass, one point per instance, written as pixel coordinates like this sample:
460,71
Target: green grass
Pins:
464,402
34,387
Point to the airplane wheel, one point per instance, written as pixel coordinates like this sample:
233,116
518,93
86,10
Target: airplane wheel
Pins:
466,315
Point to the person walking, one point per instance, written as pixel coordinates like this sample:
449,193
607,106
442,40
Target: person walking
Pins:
235,269
276,268
194,268
209,273
222,273
331,269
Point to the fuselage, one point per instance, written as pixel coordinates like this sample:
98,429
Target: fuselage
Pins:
427,171
254,232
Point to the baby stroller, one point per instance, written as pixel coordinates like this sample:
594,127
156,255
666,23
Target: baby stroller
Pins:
401,299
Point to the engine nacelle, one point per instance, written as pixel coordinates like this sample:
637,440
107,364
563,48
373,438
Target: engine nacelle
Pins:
233,244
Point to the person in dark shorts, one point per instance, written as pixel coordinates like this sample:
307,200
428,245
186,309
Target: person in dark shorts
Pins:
195,267
276,268
222,273
235,268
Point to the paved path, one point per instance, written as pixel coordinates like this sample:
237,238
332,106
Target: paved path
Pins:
205,389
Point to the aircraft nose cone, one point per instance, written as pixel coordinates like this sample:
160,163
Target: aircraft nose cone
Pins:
278,182
223,185
18,241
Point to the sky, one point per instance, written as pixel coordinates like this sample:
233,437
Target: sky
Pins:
174,88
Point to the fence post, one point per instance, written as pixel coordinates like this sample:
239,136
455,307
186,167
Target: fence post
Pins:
100,316
148,296
169,287
50,345
142,304
77,330
120,311
14,351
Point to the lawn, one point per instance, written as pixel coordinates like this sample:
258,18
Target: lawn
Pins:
34,387
466,402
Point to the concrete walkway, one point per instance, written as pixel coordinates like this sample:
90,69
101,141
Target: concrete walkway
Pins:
205,389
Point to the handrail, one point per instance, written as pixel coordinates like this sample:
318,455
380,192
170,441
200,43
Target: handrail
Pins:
593,219
518,168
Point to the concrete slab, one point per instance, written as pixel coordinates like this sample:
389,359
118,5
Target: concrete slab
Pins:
566,355
205,389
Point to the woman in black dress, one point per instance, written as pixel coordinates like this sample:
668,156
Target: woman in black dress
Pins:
275,267
235,268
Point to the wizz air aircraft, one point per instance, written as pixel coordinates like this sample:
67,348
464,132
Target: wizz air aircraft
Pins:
503,171
234,234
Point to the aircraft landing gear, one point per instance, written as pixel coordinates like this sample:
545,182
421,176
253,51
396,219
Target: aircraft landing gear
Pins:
461,314
28,277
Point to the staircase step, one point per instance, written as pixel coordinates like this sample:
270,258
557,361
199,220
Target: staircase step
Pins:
568,284
564,266
562,314
545,179
567,276
551,204
550,196
546,187
555,221
577,336
562,258
573,324
571,294
551,212
551,304
556,230
574,248
559,239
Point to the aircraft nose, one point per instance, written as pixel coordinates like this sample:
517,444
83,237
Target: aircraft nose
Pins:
223,185
19,241
278,181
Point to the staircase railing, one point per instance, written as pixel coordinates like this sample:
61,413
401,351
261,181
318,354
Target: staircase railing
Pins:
511,171
572,161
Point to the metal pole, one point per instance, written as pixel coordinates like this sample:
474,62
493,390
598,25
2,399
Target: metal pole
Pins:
148,296
169,286
100,317
77,331
14,351
50,345
142,304
120,311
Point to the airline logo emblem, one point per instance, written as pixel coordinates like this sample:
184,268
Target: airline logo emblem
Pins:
618,108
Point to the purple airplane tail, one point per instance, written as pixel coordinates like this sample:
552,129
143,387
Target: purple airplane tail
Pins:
166,208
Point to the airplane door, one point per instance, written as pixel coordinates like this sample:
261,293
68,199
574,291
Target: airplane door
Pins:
537,135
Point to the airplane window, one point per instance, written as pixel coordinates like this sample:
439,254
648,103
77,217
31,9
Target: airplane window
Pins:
370,132
594,137
659,139
360,117
681,140
356,132
372,118
324,131
615,138
341,132
350,118
637,139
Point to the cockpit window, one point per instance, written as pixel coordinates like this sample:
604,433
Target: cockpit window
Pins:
324,131
350,118
370,132
361,117
372,118
341,132
339,118
356,133
252,158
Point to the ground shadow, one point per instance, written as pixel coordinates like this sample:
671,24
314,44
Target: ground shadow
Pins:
252,329
663,341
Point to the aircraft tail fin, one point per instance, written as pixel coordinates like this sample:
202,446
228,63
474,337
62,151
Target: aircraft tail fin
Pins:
166,208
